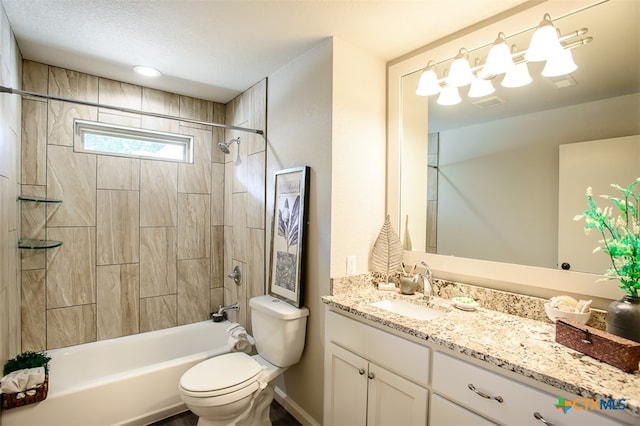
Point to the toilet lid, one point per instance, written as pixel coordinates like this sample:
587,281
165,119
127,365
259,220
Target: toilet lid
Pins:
230,372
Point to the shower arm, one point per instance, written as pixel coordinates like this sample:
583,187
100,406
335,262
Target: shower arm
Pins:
12,91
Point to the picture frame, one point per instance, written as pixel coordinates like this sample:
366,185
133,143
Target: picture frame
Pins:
289,228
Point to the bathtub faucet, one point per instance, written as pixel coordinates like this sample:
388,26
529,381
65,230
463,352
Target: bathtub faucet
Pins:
221,315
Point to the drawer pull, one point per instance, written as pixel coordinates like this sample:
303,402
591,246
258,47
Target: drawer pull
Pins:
539,417
370,375
361,371
484,395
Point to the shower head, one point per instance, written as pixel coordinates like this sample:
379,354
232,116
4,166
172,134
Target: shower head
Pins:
224,147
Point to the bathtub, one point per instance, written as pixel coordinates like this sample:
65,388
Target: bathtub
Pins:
129,380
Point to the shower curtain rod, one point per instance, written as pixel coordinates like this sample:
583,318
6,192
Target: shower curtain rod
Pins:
10,90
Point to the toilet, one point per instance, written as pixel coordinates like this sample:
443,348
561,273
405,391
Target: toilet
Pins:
234,388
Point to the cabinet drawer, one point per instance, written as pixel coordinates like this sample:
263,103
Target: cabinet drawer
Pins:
502,399
406,358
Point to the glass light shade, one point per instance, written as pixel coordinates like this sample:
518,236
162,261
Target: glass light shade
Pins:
480,87
449,96
460,73
428,84
560,63
517,76
499,59
543,42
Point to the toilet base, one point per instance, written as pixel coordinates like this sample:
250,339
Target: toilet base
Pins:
256,415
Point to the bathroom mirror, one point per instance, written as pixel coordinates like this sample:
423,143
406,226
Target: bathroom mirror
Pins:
484,174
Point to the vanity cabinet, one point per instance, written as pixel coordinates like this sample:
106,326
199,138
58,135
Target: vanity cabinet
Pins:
369,376
499,398
443,412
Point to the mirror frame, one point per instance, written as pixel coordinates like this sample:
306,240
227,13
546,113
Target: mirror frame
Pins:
536,281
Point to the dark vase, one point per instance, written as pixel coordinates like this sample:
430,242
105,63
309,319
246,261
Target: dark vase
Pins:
623,318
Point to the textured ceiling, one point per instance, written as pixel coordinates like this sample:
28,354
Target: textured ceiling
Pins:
216,49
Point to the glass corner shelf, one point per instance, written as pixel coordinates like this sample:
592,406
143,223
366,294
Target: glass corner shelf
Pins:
33,244
38,199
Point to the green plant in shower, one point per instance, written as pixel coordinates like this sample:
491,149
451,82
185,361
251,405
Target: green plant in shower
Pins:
620,232
288,225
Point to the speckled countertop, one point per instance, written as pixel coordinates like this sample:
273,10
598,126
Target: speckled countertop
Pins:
522,345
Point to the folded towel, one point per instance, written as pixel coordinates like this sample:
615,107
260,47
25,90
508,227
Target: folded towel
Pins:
239,340
22,380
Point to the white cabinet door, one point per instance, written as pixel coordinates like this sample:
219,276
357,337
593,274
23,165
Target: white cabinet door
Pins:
345,387
394,400
443,412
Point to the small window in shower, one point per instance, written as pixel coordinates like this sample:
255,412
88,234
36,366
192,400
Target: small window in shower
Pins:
101,138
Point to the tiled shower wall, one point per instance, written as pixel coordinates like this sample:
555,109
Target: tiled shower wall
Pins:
143,240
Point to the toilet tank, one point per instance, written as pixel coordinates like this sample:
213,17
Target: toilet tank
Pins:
279,329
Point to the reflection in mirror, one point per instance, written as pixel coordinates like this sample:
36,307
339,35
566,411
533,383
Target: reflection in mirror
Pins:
480,179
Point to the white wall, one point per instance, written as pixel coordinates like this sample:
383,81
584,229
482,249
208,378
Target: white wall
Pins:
326,110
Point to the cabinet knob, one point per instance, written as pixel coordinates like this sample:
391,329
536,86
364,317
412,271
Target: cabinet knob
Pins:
542,419
361,371
371,376
484,395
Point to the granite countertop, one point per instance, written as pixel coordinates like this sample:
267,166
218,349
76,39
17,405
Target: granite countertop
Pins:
521,345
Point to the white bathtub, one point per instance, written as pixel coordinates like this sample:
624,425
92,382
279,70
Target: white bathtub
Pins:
131,380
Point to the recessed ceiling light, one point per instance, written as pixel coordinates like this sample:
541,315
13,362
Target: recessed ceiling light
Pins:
146,71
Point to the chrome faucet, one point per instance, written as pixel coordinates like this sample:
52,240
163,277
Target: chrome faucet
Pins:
427,280
221,315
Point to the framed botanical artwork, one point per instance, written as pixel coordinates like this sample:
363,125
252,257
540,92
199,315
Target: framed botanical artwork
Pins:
288,234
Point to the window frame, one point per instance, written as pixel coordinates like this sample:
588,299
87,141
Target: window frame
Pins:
84,127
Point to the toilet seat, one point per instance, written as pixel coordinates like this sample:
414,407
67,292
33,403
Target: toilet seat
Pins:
221,375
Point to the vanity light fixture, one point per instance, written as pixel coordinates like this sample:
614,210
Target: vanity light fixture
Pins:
147,71
518,75
499,59
449,95
543,42
546,45
460,73
428,84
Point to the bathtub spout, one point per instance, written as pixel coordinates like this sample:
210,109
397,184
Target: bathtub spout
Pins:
221,315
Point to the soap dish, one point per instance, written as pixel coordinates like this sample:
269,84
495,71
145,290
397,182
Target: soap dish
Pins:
465,303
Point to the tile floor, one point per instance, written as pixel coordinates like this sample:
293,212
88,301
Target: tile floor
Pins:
278,415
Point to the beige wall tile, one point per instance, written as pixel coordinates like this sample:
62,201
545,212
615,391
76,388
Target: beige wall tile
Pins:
193,290
195,109
118,173
118,94
32,223
158,193
13,295
72,84
33,311
117,300
35,77
124,119
118,237
196,177
240,231
256,164
60,120
255,267
217,194
194,226
160,102
158,312
217,298
71,326
228,192
71,177
157,261
71,267
34,142
217,256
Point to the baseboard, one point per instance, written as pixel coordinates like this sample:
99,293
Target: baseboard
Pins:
294,409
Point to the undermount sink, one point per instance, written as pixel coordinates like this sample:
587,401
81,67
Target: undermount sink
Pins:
408,309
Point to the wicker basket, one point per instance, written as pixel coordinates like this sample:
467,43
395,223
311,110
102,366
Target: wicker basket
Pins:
606,347
10,400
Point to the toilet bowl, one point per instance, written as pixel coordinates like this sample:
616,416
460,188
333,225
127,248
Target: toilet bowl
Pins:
233,388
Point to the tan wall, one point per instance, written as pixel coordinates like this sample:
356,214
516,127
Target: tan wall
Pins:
143,240
10,113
